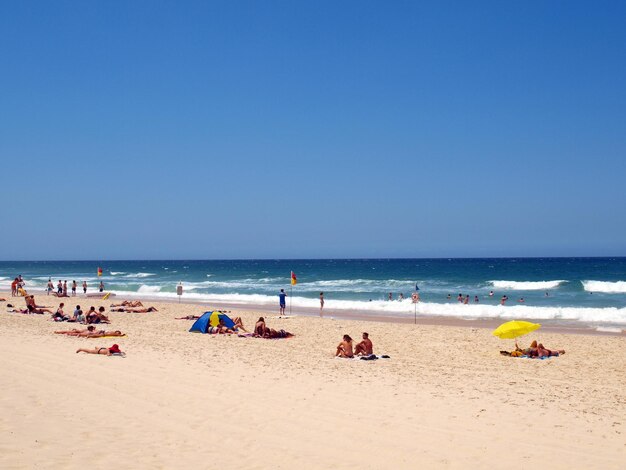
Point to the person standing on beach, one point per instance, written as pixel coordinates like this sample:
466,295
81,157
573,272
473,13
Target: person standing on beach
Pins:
101,286
59,287
64,288
321,302
84,287
73,288
282,301
50,287
14,288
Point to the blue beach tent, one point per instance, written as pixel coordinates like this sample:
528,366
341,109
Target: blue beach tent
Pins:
202,324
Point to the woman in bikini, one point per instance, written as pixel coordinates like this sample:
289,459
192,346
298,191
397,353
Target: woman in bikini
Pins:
259,327
344,349
115,349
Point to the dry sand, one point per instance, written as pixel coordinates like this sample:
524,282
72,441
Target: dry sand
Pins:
445,399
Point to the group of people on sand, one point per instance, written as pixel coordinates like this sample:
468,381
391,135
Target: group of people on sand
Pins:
346,349
536,350
79,317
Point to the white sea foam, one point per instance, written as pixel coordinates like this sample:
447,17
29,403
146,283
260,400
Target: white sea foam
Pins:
526,285
608,329
139,275
117,273
610,315
145,289
618,287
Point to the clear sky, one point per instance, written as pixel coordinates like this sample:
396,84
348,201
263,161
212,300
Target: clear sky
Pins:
282,129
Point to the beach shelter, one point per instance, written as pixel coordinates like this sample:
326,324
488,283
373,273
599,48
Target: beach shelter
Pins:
202,324
217,316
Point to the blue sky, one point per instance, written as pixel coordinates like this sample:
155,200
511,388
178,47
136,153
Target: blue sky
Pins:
134,130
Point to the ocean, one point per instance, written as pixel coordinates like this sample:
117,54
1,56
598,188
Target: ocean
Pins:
566,290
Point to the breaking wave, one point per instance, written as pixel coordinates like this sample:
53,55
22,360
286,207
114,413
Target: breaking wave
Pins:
526,285
406,307
617,287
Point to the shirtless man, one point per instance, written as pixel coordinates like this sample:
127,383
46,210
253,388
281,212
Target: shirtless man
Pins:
365,347
344,349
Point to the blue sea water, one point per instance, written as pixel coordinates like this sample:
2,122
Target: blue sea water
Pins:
590,290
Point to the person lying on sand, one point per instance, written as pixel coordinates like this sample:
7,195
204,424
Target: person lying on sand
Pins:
238,323
535,350
344,349
223,329
90,332
270,333
115,349
544,352
365,347
128,303
30,301
188,317
134,309
40,311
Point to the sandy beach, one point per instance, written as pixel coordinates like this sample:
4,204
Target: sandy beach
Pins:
445,399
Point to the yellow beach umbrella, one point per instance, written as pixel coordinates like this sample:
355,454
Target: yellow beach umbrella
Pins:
514,329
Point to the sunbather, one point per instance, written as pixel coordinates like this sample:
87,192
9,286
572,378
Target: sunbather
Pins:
365,347
259,327
75,331
129,303
188,317
535,350
223,329
30,301
238,323
272,334
134,309
544,352
115,349
39,311
344,349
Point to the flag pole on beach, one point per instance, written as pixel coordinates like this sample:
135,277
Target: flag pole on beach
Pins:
294,281
415,297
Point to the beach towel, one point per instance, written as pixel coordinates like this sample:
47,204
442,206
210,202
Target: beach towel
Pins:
525,356
371,357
